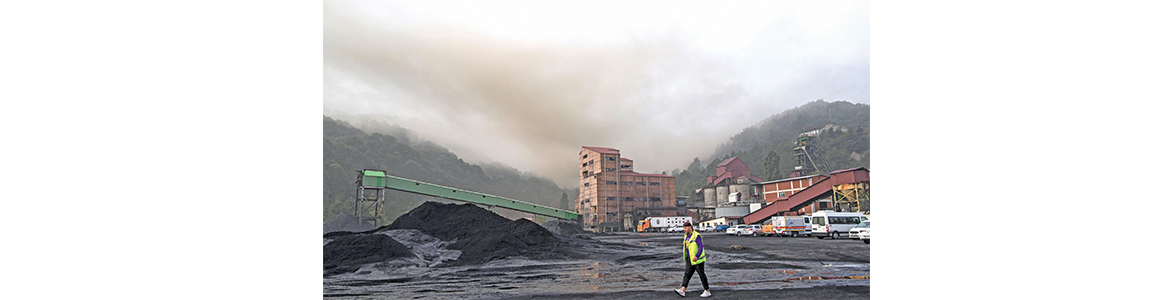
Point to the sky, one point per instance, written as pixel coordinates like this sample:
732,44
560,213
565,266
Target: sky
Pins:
527,83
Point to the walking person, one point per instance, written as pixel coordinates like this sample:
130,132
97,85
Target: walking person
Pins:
695,257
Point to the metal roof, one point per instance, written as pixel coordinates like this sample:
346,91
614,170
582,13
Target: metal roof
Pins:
728,161
602,149
847,170
790,179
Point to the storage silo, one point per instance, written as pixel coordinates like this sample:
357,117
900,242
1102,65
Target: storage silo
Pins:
721,194
743,190
709,199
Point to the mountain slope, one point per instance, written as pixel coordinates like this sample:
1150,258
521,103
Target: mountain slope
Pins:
844,141
347,149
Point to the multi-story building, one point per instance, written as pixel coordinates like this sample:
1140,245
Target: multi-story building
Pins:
613,197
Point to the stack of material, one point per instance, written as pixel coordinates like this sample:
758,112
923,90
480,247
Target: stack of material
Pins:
346,253
479,236
482,235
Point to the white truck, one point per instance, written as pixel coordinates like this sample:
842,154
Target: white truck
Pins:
832,224
790,226
660,224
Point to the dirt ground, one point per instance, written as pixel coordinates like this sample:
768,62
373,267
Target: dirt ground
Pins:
628,266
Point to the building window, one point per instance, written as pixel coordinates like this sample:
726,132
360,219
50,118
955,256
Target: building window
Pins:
611,182
781,194
655,199
585,156
586,184
628,199
610,169
643,183
627,183
655,183
610,198
641,198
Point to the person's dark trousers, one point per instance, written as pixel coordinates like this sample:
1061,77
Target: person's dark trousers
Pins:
691,271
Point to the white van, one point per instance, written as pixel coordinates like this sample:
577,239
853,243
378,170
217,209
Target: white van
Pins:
833,224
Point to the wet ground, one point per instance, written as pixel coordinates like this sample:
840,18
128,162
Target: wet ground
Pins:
628,266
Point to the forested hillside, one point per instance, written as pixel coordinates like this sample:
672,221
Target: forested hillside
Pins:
347,149
767,146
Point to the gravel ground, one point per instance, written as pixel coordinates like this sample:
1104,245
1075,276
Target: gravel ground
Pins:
627,266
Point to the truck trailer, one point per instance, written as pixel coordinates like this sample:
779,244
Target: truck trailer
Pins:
660,224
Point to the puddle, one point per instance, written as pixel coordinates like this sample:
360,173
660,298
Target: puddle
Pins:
753,265
826,278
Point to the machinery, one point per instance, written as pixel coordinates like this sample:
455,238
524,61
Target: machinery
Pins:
372,186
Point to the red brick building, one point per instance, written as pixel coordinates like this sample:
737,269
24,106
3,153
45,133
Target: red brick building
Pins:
613,197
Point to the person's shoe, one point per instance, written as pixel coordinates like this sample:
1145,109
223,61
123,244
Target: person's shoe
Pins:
706,294
680,292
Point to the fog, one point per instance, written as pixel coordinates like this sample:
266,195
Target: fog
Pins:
527,84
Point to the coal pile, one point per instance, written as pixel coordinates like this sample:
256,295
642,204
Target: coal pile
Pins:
346,253
566,228
346,222
482,235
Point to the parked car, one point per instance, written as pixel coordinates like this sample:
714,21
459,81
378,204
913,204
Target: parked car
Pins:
707,229
674,229
721,228
861,232
752,230
735,229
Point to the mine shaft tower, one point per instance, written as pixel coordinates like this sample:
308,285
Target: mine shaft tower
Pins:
809,159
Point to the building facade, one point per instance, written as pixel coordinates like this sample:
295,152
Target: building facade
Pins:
613,197
777,190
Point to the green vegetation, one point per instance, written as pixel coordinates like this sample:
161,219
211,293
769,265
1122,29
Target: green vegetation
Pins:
347,149
767,146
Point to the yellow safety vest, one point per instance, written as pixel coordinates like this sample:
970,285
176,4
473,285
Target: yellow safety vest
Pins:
691,247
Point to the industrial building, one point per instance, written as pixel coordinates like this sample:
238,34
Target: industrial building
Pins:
842,190
780,189
737,196
613,197
732,177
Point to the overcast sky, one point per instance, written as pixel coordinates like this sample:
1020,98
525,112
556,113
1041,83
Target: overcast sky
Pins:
528,83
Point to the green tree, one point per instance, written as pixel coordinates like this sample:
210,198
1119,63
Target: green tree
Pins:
772,166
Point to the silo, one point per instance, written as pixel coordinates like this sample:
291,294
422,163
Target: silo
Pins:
721,194
709,197
743,190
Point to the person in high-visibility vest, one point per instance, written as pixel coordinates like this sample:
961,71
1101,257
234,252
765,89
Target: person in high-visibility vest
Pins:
695,257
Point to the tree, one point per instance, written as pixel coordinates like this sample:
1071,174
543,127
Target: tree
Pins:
772,165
